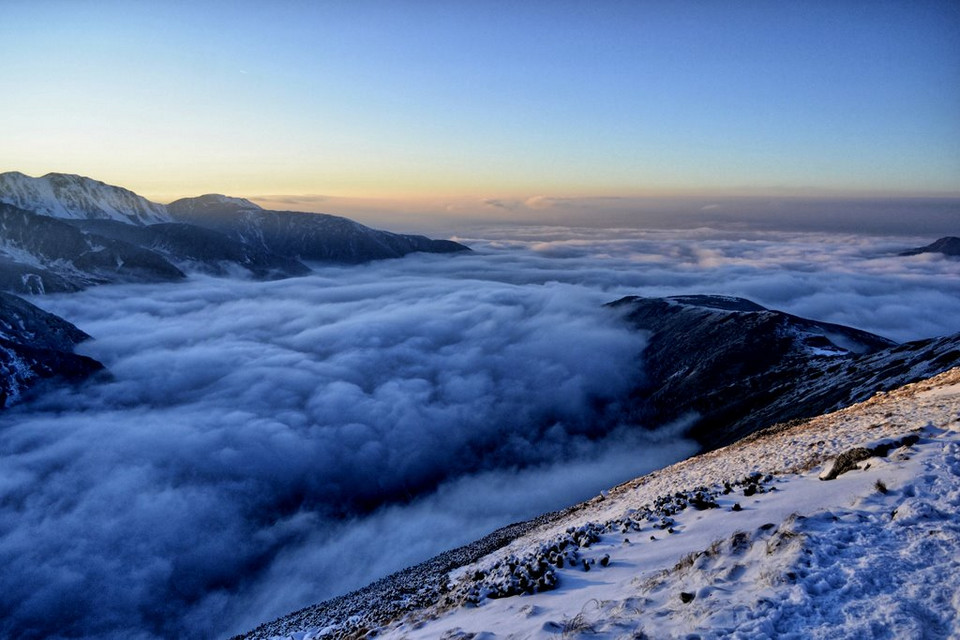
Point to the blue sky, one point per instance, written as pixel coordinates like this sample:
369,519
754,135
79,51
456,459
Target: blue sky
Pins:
471,101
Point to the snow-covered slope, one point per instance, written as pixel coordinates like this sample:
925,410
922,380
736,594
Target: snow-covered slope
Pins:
748,541
63,195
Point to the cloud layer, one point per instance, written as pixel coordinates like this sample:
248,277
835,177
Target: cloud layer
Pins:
262,446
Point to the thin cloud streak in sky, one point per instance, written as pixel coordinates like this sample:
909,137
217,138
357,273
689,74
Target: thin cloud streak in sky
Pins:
262,446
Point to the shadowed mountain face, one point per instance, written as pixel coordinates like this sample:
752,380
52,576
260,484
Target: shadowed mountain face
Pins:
739,367
307,236
194,248
34,346
948,246
40,254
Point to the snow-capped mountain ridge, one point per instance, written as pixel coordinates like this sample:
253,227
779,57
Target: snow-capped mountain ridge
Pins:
63,195
43,254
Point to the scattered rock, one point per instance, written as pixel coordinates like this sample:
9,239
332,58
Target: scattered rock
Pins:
849,459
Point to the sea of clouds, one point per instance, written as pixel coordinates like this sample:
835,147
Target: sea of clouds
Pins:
261,446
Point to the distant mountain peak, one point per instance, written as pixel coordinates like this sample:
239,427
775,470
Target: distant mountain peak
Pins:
210,201
75,197
306,236
948,246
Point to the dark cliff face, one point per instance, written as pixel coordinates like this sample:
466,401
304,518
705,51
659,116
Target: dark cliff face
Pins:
36,346
739,367
306,236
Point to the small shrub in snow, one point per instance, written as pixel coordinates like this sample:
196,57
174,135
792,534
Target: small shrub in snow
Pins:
537,570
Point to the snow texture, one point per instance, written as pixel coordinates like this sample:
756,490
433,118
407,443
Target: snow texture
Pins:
69,196
742,542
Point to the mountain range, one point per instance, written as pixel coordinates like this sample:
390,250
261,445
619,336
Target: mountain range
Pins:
308,236
727,364
63,232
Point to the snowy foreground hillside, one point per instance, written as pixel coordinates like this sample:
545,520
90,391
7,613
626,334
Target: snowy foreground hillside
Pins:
753,540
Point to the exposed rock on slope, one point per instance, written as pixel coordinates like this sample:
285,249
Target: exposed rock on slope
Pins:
36,345
307,236
739,366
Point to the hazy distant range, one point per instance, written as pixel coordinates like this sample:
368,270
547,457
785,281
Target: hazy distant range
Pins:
930,216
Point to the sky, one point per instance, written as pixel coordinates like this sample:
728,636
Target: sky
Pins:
456,108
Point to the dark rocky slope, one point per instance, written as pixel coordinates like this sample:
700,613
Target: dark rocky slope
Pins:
194,248
737,366
948,246
36,346
40,254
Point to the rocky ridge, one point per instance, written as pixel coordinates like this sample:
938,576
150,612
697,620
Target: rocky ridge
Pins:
41,254
37,346
948,246
732,366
